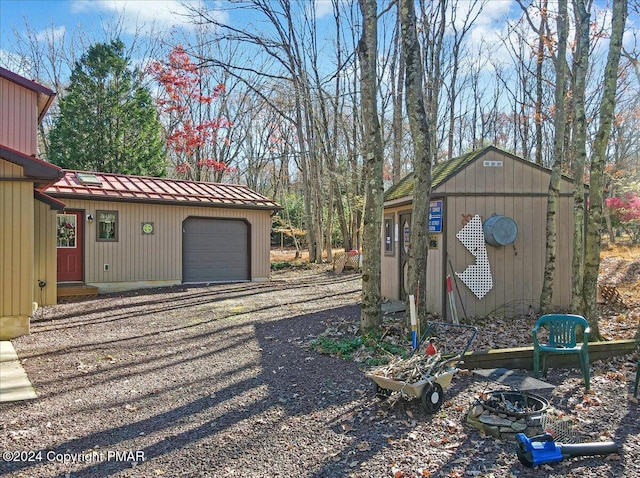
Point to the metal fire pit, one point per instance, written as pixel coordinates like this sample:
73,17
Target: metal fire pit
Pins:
503,414
516,404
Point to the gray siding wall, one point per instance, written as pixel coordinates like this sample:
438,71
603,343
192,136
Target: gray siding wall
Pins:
157,259
516,190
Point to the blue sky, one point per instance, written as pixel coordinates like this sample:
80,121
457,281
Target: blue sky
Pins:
90,15
164,15
42,14
68,17
59,17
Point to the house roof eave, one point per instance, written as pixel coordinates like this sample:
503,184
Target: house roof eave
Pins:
45,198
40,171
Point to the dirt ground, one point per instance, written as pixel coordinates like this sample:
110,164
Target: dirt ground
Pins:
220,381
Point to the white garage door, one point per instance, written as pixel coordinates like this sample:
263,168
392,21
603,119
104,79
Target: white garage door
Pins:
215,250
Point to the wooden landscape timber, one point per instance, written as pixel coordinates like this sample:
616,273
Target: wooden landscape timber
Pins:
522,357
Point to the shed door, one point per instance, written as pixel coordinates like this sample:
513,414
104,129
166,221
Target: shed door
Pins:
69,246
215,250
405,236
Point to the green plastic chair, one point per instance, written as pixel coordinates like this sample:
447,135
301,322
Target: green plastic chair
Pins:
562,339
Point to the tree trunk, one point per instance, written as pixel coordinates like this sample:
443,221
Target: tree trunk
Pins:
539,80
607,108
371,313
583,19
546,297
421,135
398,130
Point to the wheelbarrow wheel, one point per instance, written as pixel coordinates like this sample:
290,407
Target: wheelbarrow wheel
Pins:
432,397
382,393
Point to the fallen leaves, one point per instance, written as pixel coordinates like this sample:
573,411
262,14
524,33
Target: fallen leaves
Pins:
589,401
616,375
363,446
108,358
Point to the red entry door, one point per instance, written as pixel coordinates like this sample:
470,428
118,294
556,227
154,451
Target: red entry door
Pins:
70,240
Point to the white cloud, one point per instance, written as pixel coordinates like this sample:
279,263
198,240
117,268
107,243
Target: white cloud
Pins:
493,12
51,33
161,15
484,41
323,8
16,63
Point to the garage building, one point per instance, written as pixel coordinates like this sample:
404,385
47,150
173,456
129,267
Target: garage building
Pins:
120,232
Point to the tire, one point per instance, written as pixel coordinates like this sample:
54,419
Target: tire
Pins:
432,397
382,393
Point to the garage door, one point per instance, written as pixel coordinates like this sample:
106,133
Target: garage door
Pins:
215,250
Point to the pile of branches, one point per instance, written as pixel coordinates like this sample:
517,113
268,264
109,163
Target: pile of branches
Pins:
415,368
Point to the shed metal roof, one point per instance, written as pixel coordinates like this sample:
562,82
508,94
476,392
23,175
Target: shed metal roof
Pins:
121,187
440,173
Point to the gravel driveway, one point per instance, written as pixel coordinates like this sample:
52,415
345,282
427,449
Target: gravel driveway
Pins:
218,381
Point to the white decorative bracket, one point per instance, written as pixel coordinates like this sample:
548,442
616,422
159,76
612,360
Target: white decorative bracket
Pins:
477,277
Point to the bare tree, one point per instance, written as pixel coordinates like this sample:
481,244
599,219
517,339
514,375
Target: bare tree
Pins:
459,33
607,108
371,315
397,93
433,17
553,194
422,135
579,148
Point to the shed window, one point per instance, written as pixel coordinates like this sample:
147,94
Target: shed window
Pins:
107,224
388,235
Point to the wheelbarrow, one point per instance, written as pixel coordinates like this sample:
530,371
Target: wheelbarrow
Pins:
430,389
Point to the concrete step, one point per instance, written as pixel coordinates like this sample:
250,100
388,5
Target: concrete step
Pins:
14,383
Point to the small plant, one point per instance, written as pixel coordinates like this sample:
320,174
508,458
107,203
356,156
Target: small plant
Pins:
370,349
280,265
343,347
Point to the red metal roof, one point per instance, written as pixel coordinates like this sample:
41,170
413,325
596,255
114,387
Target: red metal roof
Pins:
120,187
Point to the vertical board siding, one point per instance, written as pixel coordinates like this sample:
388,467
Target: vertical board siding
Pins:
23,244
45,254
18,117
158,256
16,248
517,269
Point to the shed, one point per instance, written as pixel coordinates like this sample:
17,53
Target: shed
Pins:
26,213
487,231
121,232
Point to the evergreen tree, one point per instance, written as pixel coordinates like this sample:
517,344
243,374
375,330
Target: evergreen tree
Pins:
108,121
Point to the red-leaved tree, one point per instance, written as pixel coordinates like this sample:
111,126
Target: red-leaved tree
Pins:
626,212
192,127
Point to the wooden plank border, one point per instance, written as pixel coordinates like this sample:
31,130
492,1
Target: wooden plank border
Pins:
522,357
